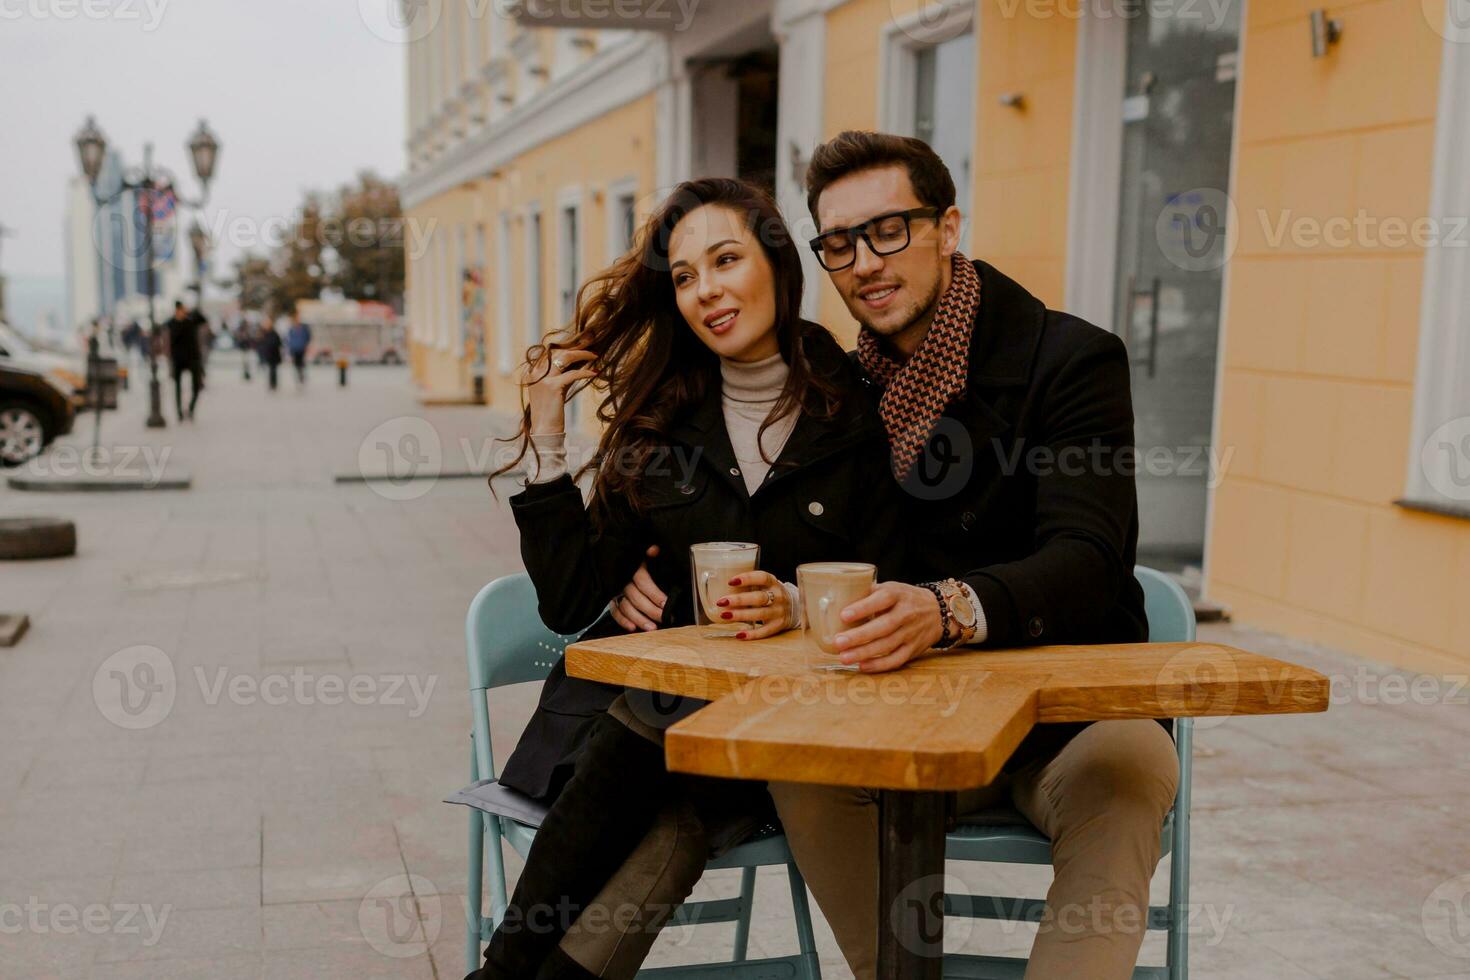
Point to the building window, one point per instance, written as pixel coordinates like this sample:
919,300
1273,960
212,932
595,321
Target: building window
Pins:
504,328
622,217
535,326
569,256
927,87
444,279
1439,453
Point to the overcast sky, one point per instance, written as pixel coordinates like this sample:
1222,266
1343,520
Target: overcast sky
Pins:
301,94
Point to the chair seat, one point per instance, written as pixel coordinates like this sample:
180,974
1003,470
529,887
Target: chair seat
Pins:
988,835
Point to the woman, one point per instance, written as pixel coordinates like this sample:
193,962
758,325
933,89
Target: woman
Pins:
726,418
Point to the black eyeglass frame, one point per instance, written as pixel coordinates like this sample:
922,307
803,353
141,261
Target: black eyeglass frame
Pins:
862,231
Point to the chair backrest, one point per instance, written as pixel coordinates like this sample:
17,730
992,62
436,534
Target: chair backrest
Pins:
1170,613
506,643
505,640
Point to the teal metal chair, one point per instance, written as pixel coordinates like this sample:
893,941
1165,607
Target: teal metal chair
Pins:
1010,839
508,644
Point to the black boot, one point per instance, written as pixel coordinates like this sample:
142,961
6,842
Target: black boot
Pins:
560,966
606,808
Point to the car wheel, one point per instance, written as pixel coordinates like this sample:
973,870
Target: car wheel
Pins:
37,537
22,436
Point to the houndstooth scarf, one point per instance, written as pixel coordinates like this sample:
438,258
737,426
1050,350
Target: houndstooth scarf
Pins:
917,391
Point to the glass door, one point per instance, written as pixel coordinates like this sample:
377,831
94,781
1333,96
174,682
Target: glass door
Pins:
1178,110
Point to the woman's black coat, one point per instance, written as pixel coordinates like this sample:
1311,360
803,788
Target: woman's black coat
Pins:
829,496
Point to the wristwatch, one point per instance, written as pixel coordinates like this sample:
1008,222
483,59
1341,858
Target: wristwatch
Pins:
956,607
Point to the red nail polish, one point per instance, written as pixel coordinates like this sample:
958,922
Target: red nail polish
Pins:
723,602
740,635
725,615
734,581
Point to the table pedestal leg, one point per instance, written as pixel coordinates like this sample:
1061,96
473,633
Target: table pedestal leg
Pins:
911,885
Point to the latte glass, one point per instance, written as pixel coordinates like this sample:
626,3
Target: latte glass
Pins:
827,588
713,564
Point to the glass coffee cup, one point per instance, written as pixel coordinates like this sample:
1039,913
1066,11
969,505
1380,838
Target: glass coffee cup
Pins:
713,564
827,588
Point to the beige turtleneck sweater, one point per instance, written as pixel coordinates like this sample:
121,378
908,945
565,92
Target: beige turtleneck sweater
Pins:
749,390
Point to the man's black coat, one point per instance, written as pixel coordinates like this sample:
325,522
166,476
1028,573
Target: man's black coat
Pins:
1026,488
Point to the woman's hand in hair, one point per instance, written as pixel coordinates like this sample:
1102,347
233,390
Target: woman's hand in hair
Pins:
762,598
546,382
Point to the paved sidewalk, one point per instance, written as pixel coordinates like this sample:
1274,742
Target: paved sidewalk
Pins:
227,734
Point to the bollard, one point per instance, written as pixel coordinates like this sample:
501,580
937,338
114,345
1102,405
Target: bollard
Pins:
342,372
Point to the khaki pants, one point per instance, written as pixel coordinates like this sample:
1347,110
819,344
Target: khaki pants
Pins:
1102,800
612,937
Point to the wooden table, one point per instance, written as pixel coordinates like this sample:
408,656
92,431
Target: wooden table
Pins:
944,722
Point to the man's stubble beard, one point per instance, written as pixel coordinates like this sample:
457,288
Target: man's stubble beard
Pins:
915,313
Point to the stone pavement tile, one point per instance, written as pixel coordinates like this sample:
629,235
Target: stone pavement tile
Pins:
39,854
1243,959
319,862
187,806
359,964
102,775
1448,783
306,925
218,888
46,953
308,649
1387,889
242,966
153,851
241,770
1350,955
185,933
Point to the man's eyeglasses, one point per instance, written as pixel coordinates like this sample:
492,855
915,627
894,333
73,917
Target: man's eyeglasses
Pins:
885,235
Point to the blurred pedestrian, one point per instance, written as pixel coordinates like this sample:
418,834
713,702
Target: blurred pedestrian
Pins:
184,356
298,339
246,343
206,339
268,345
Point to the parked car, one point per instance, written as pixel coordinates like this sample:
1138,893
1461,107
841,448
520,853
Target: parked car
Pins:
70,371
34,410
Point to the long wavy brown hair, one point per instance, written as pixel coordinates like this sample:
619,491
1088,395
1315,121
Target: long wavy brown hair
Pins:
651,367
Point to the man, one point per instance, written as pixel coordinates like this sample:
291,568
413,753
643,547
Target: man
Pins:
298,339
268,346
184,356
1011,426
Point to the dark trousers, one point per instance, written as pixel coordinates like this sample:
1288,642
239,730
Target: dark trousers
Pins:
298,361
196,382
271,367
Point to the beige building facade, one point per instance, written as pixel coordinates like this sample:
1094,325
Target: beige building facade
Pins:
1271,213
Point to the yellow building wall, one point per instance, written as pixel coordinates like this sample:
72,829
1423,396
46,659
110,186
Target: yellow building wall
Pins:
606,151
441,373
1320,341
610,149
1017,213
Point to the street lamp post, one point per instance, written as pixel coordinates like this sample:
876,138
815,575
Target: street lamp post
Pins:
203,152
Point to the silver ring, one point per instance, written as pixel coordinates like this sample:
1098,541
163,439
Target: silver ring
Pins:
558,363
770,598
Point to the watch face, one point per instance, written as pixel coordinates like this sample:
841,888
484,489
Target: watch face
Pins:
963,612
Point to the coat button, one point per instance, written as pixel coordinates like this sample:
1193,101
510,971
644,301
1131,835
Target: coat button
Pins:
734,471
686,488
1035,627
967,520
815,508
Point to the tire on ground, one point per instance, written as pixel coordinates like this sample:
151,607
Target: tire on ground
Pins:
37,537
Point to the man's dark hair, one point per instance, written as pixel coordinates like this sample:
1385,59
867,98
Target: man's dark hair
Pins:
856,150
